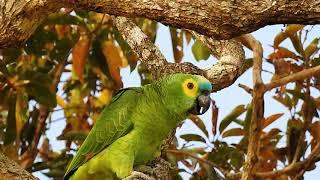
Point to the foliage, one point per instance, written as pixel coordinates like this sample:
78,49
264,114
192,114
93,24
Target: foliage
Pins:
72,64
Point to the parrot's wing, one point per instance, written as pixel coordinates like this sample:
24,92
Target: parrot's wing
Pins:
113,123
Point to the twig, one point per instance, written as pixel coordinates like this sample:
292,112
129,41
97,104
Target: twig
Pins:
293,167
30,154
307,73
246,88
307,116
257,108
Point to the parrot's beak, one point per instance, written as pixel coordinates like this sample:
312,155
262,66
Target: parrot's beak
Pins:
201,104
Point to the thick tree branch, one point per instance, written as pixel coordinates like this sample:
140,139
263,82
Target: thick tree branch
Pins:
229,53
20,18
214,18
11,170
230,63
140,44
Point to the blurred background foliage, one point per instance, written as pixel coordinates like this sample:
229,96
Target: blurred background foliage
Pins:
87,49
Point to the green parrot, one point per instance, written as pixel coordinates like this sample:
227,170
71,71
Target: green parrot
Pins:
131,129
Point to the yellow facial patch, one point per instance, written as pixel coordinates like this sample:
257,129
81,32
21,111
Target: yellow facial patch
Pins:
190,87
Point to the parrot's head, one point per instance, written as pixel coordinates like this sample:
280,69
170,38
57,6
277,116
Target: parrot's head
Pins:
186,93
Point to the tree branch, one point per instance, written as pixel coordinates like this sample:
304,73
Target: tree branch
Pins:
257,107
31,153
225,172
221,20
229,53
293,167
307,73
11,170
229,67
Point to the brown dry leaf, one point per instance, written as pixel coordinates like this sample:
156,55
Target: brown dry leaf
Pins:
233,132
266,165
282,52
266,137
214,117
177,44
267,153
317,102
115,60
79,55
188,36
62,30
49,46
315,132
21,112
271,119
284,68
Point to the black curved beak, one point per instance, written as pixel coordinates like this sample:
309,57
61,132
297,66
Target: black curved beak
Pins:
202,104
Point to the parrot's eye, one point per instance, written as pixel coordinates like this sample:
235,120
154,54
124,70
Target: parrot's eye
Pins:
190,85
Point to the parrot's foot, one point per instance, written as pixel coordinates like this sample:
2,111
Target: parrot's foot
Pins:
135,175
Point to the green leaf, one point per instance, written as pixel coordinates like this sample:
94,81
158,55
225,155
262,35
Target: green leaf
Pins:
73,136
55,173
200,52
248,63
291,30
284,101
193,137
247,119
296,42
21,111
236,112
38,88
10,134
294,128
296,93
199,123
226,156
311,48
41,94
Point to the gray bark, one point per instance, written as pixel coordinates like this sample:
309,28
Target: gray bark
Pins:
11,170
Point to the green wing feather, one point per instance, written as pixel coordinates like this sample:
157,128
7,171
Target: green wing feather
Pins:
113,123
